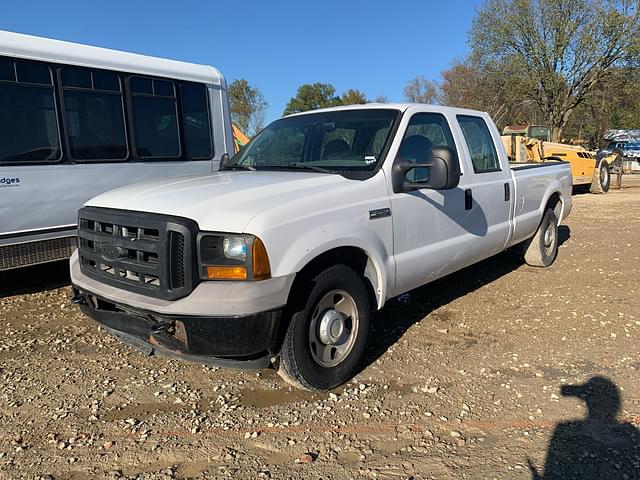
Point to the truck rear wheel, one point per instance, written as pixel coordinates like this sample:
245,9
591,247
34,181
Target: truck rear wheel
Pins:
601,179
325,340
542,249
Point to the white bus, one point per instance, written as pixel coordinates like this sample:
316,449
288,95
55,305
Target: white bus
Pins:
77,120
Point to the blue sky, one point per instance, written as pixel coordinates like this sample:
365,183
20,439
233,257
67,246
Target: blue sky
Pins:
376,46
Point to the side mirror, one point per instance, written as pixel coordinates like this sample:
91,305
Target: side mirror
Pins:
441,171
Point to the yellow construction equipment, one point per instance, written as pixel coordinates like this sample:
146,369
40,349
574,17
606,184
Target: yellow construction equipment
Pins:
531,143
239,139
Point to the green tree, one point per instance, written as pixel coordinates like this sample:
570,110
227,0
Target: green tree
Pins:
567,47
311,97
613,104
353,97
248,106
421,90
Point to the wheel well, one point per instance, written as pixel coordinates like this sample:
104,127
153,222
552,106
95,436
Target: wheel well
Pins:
353,257
555,204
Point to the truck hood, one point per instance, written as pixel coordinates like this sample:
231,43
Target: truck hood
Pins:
222,201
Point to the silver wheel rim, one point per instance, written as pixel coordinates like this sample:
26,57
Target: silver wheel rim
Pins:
549,239
333,328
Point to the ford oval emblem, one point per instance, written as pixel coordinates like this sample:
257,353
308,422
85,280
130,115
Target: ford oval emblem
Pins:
111,252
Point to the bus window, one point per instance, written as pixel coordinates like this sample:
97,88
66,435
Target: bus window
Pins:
94,116
154,112
27,113
195,114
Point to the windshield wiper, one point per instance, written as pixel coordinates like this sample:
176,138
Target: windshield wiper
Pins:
302,166
238,166
288,166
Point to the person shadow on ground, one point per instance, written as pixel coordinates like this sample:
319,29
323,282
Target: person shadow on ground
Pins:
598,447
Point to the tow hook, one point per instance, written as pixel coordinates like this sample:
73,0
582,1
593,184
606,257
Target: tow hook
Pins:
166,326
79,299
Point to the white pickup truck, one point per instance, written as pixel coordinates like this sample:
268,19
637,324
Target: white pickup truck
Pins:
281,258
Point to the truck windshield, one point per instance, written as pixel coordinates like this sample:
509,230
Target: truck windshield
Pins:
329,142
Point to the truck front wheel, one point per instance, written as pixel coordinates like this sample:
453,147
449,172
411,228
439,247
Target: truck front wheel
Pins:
542,249
325,340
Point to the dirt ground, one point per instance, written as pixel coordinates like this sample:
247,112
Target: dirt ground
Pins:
464,379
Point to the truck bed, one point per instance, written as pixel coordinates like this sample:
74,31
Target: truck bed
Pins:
531,184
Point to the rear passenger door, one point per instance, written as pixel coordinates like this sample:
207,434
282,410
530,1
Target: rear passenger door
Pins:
489,188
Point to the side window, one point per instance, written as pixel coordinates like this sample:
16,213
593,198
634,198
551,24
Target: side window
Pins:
155,119
27,113
425,130
481,148
195,114
94,115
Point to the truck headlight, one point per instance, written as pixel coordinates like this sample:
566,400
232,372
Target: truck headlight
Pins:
235,248
233,257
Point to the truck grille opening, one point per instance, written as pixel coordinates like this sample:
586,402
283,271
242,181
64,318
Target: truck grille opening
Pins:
144,253
177,259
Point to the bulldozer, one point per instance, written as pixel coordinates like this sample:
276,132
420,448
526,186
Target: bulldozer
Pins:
532,143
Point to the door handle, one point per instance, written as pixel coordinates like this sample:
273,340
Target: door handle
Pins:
468,199
507,192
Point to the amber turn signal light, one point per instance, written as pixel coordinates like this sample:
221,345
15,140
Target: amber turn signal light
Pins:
226,273
261,268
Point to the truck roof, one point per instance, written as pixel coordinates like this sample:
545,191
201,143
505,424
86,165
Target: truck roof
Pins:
397,106
58,51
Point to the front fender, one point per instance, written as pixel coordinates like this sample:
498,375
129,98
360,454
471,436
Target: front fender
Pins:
318,240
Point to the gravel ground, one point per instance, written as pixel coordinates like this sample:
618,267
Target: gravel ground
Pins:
464,379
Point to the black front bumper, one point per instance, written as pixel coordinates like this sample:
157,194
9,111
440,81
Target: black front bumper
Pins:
245,342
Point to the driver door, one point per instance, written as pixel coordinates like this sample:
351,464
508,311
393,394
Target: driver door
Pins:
433,231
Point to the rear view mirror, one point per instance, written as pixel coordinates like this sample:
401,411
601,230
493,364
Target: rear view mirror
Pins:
441,171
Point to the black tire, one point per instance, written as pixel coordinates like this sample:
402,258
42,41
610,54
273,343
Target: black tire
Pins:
542,249
299,364
601,178
617,167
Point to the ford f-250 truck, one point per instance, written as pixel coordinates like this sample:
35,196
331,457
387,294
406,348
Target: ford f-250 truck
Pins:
281,258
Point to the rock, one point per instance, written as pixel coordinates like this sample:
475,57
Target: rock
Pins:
306,458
